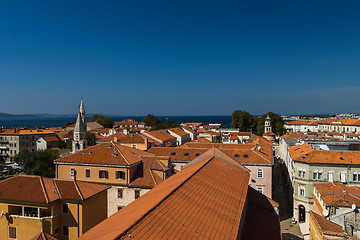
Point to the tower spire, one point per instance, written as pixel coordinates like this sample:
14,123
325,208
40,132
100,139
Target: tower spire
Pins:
79,141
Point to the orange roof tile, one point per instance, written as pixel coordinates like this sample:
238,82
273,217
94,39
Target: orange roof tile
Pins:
305,153
325,226
41,190
178,131
44,236
25,132
51,138
160,134
335,194
104,153
210,197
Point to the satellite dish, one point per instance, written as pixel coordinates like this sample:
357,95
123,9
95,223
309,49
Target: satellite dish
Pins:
325,213
353,207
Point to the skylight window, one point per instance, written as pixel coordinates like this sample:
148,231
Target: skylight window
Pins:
186,154
197,154
236,155
173,154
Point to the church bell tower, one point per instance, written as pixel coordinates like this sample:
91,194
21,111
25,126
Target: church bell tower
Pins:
79,141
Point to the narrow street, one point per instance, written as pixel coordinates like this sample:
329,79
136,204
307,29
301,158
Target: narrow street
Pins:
282,193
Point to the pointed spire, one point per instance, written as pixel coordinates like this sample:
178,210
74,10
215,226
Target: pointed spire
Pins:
79,126
82,111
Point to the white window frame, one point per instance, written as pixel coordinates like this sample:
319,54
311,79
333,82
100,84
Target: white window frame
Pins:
260,172
343,176
260,189
331,173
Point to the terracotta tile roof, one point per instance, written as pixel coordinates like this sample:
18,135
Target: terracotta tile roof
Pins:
25,132
94,125
189,129
293,135
192,124
103,153
325,226
302,123
160,134
111,137
269,134
144,176
335,194
334,133
205,200
178,131
305,153
44,236
126,122
51,138
41,190
350,122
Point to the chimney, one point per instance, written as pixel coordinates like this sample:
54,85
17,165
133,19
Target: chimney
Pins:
115,139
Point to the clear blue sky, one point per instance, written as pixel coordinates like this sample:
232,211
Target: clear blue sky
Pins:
180,57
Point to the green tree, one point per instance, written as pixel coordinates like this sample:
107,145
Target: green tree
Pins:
91,139
39,163
68,124
69,144
60,144
164,125
277,124
102,120
244,121
151,120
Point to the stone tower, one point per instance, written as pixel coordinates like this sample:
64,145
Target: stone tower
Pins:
268,127
79,142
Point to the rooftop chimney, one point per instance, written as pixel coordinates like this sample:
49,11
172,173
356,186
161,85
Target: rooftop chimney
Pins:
115,139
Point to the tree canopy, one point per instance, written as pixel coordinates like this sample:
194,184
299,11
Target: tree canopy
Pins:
68,124
164,125
277,124
90,138
151,120
39,163
244,121
249,123
103,120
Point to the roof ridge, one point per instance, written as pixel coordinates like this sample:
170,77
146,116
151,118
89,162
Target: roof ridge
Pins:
152,176
43,188
78,190
120,153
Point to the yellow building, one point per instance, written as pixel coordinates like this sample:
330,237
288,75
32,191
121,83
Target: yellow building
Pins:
65,209
130,172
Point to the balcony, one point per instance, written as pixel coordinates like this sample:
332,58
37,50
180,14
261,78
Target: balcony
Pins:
29,212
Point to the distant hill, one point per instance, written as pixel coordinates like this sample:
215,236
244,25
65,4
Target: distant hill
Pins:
17,115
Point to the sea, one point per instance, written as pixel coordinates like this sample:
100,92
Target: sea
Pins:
59,121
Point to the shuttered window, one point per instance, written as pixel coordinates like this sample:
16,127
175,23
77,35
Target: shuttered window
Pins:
12,232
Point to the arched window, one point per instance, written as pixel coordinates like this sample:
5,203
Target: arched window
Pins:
260,173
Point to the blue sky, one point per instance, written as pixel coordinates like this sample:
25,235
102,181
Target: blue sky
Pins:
180,57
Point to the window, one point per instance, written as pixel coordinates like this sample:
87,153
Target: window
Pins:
12,232
260,189
246,156
317,174
236,155
343,176
65,208
173,154
356,176
120,175
65,230
120,193
72,173
87,173
186,154
301,173
137,194
302,191
103,174
56,231
330,175
120,207
134,146
197,154
260,173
